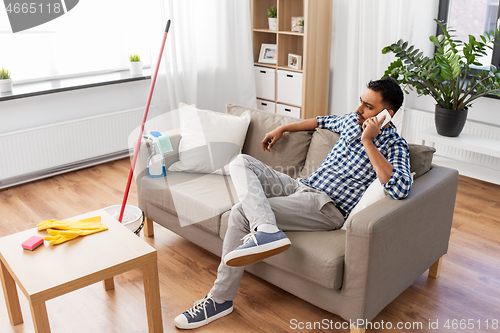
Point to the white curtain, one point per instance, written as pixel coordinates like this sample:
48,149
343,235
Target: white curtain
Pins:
361,29
208,58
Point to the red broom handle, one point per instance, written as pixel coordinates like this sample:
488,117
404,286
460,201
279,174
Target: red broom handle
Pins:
138,144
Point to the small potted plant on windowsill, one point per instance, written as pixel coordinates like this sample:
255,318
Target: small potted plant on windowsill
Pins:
301,27
272,17
450,77
5,81
135,65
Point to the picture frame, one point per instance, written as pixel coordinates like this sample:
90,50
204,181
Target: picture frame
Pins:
296,23
268,54
294,61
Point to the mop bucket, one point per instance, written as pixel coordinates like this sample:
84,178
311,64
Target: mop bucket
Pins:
133,217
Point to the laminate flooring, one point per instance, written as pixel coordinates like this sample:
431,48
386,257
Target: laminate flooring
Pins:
468,288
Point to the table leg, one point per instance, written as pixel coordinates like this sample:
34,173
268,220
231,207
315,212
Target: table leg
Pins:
109,284
152,293
11,297
40,318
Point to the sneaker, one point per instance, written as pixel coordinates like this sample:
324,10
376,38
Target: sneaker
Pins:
203,312
257,246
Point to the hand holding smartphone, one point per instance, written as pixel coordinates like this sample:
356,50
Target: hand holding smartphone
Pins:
387,117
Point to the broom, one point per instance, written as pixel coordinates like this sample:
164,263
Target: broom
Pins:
138,144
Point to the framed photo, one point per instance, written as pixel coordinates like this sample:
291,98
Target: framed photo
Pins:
296,23
268,54
294,61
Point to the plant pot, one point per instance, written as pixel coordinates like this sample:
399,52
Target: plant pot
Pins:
301,29
136,67
450,122
5,85
273,23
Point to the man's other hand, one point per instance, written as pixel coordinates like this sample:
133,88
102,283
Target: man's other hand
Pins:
271,138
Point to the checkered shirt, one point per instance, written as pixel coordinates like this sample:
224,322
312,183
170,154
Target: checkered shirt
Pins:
347,171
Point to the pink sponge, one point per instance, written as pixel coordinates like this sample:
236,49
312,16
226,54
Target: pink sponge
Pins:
32,243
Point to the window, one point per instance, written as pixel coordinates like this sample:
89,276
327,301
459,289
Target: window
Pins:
474,18
94,36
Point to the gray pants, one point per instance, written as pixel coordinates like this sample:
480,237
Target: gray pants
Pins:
268,196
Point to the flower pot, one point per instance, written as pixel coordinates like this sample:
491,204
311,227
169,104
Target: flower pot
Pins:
450,122
5,85
136,67
301,29
273,22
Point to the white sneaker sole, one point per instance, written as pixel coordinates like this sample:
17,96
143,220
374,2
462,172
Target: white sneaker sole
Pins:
182,323
245,257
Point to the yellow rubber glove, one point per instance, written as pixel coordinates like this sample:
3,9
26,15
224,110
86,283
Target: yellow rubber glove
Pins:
61,236
83,224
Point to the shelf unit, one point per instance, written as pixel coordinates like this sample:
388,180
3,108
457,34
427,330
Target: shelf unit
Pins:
314,46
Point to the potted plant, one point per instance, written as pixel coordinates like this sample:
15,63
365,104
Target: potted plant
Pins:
272,17
135,65
301,26
5,81
452,77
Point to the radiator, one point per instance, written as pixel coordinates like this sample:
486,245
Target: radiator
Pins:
53,149
417,120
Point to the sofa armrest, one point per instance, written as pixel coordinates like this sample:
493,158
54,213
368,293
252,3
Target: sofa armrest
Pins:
391,243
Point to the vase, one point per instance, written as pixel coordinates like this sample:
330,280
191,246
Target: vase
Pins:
450,122
136,68
273,22
5,85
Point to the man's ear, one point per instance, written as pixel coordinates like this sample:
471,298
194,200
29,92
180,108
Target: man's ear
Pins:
391,112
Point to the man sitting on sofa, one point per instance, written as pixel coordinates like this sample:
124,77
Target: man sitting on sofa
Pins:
270,201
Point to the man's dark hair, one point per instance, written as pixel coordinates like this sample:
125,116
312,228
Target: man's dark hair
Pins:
391,92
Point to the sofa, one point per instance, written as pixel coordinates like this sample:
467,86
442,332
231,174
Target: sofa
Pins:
353,273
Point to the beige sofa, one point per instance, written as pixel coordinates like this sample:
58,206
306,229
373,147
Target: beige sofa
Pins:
353,273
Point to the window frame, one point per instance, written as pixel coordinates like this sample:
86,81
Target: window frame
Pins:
443,12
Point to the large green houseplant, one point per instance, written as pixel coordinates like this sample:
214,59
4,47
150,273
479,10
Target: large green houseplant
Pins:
452,77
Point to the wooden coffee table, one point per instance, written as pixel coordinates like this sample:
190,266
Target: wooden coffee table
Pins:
54,270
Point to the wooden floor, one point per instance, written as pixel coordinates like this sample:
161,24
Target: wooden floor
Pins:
468,288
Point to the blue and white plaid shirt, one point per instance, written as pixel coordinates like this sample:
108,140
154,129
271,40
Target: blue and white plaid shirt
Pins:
347,171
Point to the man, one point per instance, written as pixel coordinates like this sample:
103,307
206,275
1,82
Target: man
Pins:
271,201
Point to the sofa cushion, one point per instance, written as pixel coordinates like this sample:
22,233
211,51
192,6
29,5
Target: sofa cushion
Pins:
195,198
420,159
315,256
289,153
323,141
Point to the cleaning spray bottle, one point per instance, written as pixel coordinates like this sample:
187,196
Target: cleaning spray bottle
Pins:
160,145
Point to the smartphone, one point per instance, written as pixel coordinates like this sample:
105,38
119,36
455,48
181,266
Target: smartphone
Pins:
387,117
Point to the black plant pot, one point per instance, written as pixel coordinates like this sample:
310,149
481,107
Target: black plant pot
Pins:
450,122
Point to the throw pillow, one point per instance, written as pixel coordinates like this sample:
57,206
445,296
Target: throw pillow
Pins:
288,155
209,140
373,193
322,143
420,158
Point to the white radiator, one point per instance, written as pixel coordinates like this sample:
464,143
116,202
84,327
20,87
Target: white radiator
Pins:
417,120
48,150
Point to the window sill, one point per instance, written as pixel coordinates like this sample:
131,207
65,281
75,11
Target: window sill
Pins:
61,85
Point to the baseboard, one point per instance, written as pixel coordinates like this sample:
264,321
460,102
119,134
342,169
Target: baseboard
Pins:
9,182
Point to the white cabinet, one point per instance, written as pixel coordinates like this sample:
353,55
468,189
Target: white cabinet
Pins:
265,105
288,110
289,87
265,79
